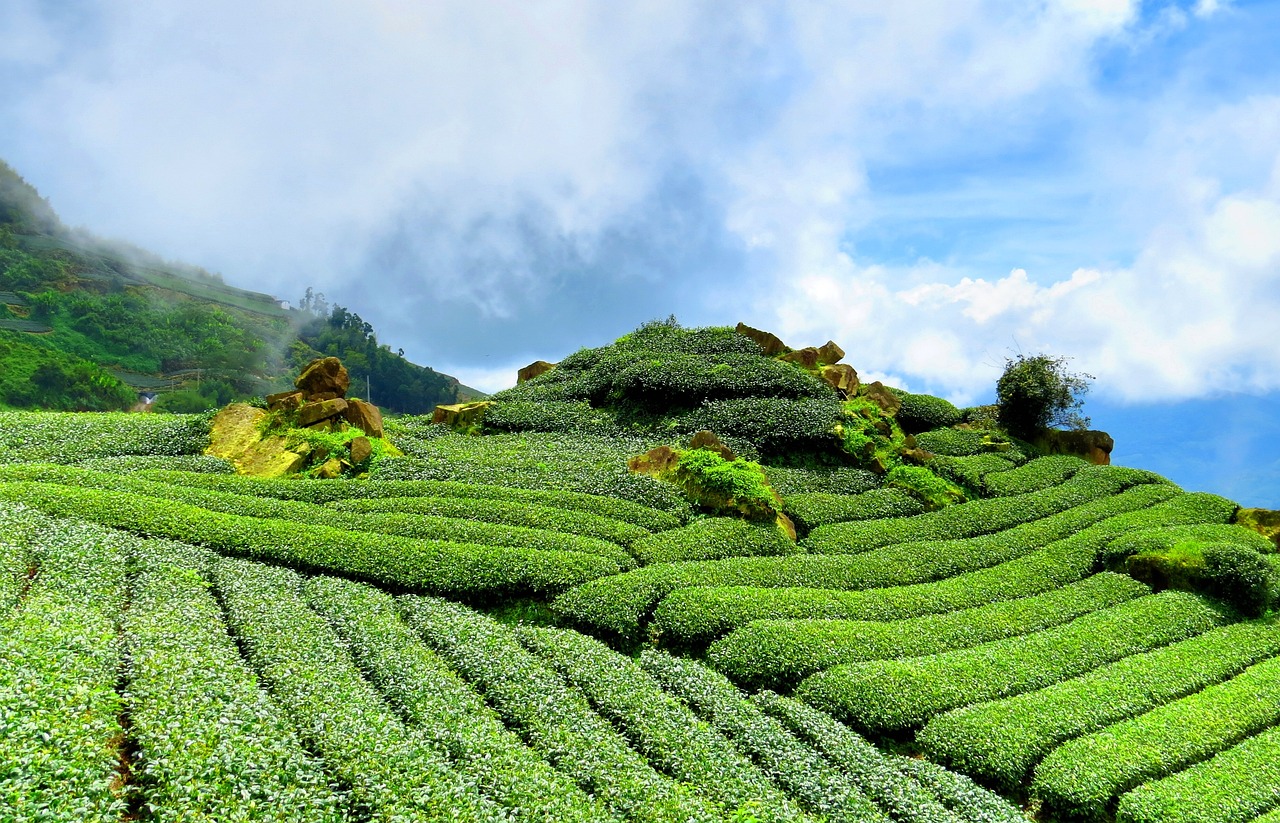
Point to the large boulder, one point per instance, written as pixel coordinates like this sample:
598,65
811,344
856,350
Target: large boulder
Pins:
364,416
237,436
707,440
1265,522
842,377
770,343
313,413
807,357
1094,446
535,369
286,401
879,394
324,379
361,450
461,415
829,353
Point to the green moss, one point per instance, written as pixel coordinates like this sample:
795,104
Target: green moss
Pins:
930,489
718,484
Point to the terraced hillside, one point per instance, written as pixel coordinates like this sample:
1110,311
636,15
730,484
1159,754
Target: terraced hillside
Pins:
511,625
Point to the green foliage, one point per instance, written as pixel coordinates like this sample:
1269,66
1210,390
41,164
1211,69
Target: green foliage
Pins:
69,438
970,473
1040,473
816,509
890,695
778,653
1036,393
38,375
1001,741
1082,777
842,480
922,412
722,485
932,491
713,538
869,435
965,443
776,427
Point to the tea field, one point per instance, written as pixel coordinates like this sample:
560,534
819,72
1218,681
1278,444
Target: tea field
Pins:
511,625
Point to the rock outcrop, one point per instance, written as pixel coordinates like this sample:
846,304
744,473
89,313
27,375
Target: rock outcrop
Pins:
461,415
364,416
324,379
535,369
769,343
1264,521
1094,446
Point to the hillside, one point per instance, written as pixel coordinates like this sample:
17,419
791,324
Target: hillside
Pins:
690,575
87,324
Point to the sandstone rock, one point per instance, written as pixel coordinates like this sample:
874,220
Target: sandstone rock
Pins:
361,450
881,396
917,456
830,353
534,369
236,436
806,357
313,413
655,461
707,440
460,415
322,395
842,378
786,526
1264,521
364,416
1094,446
326,375
285,400
330,469
770,343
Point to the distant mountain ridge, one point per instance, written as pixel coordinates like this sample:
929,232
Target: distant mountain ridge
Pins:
87,323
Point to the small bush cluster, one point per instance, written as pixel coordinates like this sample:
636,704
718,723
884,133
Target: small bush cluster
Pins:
722,485
923,412
932,491
713,538
889,695
816,509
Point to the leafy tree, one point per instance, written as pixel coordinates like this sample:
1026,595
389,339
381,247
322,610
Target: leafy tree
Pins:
1037,393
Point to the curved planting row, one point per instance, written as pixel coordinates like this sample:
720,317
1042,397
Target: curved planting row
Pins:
815,509
714,538
60,659
776,653
608,507
421,527
68,437
619,604
1041,473
1081,778
978,517
553,718
696,614
389,767
804,773
211,743
669,734
457,568
972,471
1001,741
892,695
445,709
1230,787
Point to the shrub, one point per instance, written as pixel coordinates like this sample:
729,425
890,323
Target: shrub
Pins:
957,442
788,480
69,437
1083,776
548,416
898,694
1240,576
971,472
713,538
922,412
816,509
1036,393
773,425
932,491
1002,740
1041,473
725,485
132,464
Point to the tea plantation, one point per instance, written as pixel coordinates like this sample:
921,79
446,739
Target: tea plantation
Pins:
511,623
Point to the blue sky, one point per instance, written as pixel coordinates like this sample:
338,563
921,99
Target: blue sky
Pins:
934,185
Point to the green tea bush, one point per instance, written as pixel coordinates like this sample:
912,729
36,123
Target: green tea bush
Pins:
1239,576
419,683
69,437
669,336
713,538
1082,777
957,792
788,480
699,614
459,568
1037,474
665,729
1147,541
816,509
819,786
131,464
932,491
391,768
922,412
778,653
548,416
724,485
555,719
891,695
1232,785
883,777
971,472
638,515
954,442
1001,741
773,425
60,659
209,739
979,517
660,382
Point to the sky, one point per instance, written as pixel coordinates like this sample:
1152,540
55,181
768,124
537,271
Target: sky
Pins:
936,186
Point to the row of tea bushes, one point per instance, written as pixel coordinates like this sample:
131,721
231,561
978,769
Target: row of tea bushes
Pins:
390,768
714,538
842,480
553,718
815,509
619,604
970,472
778,653
69,437
644,517
444,709
1033,476
60,658
672,738
978,517
891,695
1081,778
437,566
211,743
1001,741
699,613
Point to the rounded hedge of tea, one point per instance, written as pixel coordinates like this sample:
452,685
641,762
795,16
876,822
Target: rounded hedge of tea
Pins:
816,509
922,412
714,538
